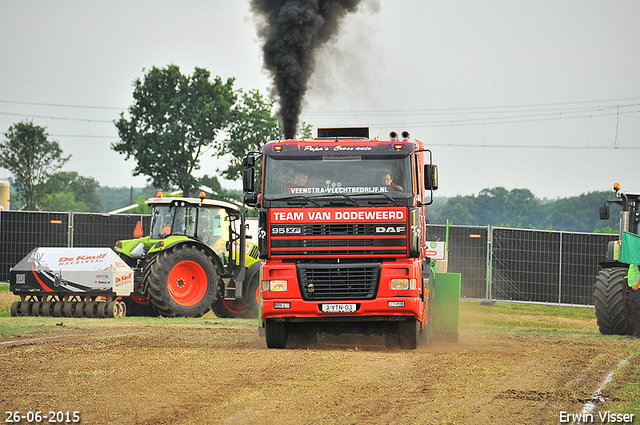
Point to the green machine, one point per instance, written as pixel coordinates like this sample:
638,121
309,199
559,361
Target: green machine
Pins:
195,258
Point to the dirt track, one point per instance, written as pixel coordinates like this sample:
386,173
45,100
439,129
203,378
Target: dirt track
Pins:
208,373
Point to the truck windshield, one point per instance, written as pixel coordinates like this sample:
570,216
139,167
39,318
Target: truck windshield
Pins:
338,175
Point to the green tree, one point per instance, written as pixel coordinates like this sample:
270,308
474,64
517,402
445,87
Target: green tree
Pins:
82,190
253,123
32,158
457,211
211,182
175,119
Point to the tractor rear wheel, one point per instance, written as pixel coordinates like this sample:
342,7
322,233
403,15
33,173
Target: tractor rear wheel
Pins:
182,282
139,306
611,302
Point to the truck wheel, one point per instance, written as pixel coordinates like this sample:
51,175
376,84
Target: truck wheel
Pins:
409,334
276,334
182,282
611,302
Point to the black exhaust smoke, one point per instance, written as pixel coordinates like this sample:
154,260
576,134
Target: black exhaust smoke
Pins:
293,32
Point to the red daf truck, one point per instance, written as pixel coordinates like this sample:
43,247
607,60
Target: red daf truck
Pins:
341,235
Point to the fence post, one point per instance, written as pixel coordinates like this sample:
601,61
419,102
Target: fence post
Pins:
489,258
70,230
560,272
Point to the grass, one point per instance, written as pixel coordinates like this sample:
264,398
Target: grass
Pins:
513,319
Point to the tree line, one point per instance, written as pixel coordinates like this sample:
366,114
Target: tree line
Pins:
176,119
519,208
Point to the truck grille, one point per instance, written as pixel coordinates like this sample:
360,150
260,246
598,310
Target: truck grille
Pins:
358,281
331,240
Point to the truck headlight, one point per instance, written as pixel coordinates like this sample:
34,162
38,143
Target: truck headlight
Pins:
403,284
274,285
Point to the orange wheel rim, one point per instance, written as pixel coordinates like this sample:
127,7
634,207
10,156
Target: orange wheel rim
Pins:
187,283
235,307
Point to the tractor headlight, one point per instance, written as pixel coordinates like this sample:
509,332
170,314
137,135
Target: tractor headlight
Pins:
274,285
403,284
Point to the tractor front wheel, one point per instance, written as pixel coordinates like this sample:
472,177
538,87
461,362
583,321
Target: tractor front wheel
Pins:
182,282
611,302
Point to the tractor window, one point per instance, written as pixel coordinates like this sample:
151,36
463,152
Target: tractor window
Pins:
213,230
174,219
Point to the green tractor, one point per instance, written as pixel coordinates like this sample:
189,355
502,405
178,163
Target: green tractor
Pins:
195,258
611,287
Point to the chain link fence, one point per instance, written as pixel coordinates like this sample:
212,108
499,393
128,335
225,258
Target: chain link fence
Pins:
22,231
495,263
524,265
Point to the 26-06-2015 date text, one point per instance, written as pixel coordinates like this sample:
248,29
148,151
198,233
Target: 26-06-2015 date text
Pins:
36,417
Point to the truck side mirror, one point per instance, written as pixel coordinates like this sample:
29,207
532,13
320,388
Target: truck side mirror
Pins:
604,212
249,161
248,176
431,177
251,199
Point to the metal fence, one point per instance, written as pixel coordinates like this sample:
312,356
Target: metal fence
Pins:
22,231
495,263
524,265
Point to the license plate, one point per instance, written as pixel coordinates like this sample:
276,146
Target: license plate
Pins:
338,308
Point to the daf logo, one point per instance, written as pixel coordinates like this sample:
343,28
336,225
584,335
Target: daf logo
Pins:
390,229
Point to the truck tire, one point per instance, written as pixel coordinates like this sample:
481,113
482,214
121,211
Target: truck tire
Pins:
409,334
611,301
182,282
276,334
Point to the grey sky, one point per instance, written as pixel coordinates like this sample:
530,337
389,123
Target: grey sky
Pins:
543,95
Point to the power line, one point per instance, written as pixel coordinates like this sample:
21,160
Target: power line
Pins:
55,118
15,102
476,109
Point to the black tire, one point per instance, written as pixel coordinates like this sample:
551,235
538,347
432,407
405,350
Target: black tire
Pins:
409,334
25,308
611,302
229,308
276,334
35,308
134,308
15,308
68,308
252,299
79,310
91,309
47,308
182,282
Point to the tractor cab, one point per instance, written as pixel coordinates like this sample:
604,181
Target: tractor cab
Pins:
211,222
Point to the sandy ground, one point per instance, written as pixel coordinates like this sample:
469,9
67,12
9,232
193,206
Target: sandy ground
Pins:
131,374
